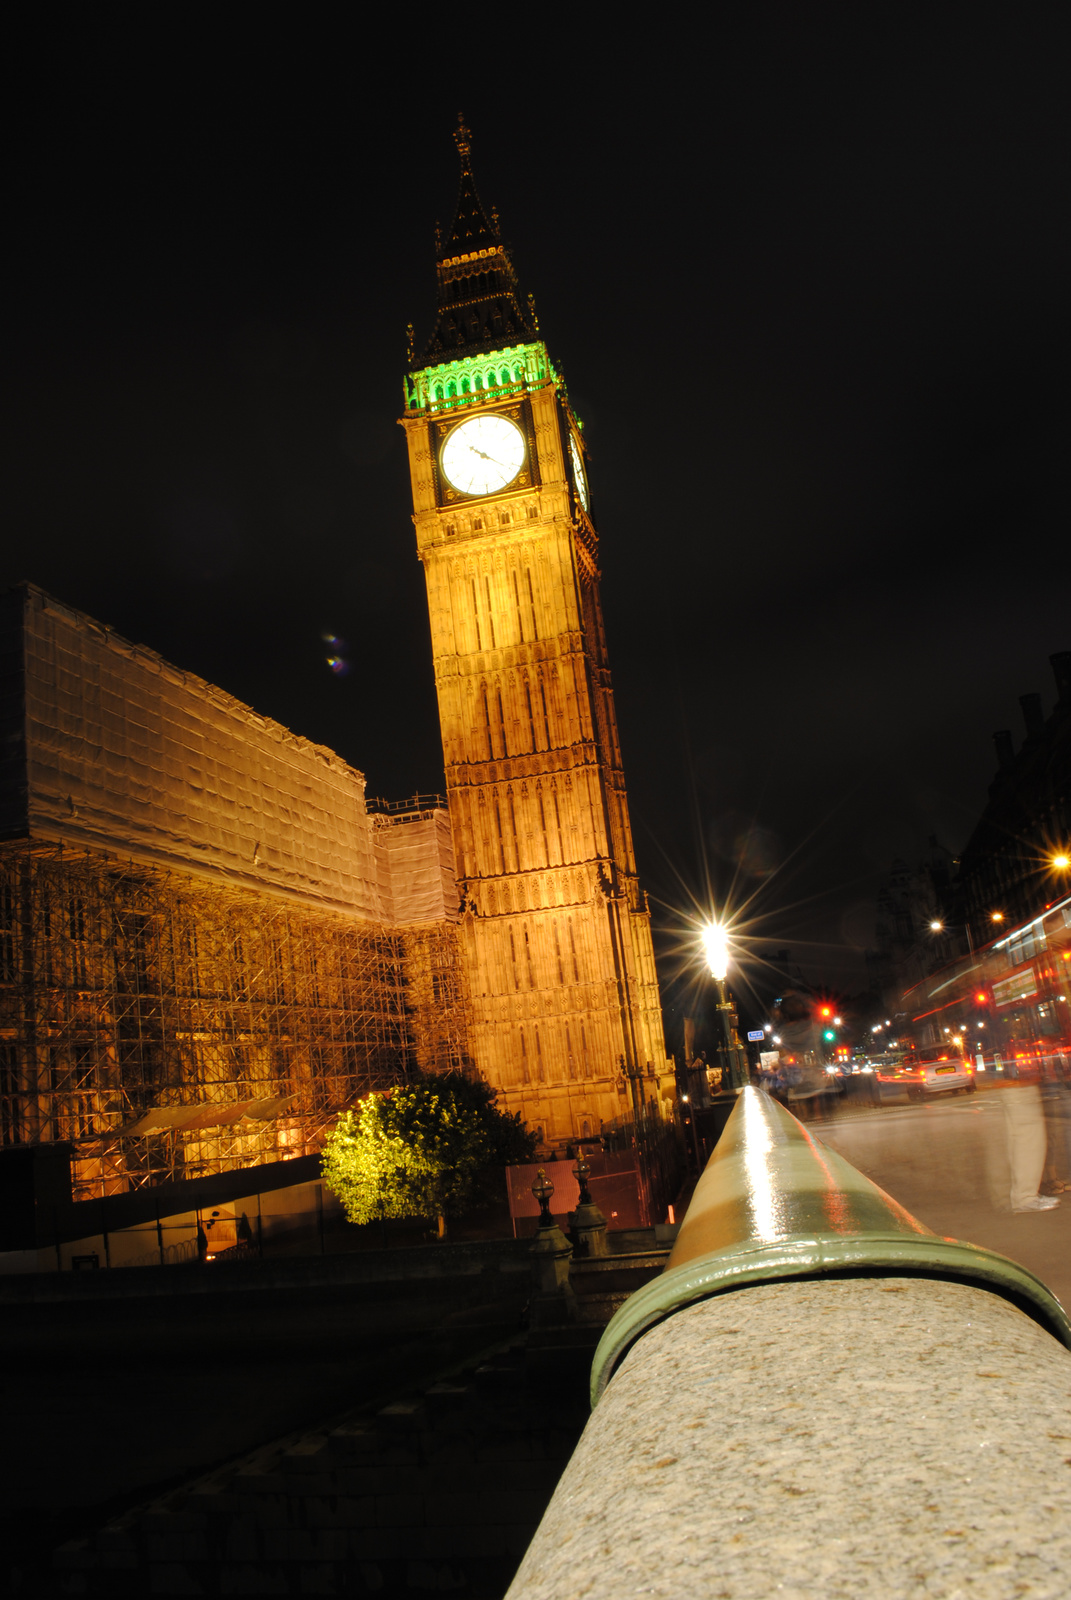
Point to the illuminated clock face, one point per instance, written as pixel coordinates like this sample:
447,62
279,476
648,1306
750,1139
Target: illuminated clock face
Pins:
578,472
483,454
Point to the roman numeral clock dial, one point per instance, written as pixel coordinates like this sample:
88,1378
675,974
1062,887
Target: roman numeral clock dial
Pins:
482,455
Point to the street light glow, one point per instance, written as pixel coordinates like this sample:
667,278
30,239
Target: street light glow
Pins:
1061,861
716,949
937,926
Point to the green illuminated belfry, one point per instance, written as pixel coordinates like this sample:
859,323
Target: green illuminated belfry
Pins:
479,302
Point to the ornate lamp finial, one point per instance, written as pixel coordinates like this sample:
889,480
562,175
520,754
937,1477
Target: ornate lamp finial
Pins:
582,1171
409,339
463,140
542,1188
532,312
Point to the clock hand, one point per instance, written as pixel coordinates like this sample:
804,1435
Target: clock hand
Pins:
485,457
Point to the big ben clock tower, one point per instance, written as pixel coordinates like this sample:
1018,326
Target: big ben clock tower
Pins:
556,937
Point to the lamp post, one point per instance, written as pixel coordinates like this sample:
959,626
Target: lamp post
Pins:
716,948
588,1222
937,926
542,1189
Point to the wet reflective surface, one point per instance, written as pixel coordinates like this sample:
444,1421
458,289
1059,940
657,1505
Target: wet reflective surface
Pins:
771,1179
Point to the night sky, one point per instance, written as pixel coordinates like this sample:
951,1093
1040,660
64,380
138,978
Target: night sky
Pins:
806,270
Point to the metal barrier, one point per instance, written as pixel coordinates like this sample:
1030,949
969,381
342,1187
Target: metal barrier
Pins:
818,1395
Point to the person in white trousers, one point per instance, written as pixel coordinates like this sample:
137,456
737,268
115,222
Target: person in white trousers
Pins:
1024,1126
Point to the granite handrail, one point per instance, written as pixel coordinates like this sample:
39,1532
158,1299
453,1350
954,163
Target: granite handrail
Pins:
773,1203
819,1395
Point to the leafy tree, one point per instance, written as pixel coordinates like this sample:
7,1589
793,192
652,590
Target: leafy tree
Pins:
426,1149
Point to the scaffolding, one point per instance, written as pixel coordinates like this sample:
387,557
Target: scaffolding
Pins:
168,1027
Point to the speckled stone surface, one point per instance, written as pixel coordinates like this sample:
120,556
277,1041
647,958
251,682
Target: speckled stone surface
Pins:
855,1437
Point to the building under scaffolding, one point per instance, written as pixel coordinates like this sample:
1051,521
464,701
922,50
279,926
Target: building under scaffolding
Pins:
209,945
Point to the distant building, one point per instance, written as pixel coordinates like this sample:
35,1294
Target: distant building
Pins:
209,945
1007,868
907,945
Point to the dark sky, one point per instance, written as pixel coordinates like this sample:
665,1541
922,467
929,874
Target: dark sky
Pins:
806,269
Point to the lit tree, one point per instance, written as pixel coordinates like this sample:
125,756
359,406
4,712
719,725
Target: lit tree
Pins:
426,1149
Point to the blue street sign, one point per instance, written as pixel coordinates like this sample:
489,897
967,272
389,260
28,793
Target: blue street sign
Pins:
757,1037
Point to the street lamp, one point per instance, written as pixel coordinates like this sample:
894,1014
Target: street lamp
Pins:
542,1189
937,926
716,948
715,937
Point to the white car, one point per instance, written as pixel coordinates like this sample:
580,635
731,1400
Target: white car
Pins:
945,1075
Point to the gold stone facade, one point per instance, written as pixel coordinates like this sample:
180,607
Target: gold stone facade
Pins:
556,936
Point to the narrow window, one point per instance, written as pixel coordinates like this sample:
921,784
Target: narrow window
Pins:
516,842
531,602
525,1072
502,848
490,613
531,719
501,723
487,724
476,612
546,719
520,619
558,956
572,952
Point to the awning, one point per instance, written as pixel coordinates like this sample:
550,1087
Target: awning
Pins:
187,1118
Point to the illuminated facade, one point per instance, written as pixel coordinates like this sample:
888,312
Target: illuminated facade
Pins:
209,946
556,934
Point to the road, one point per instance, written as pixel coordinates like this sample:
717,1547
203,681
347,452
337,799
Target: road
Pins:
946,1161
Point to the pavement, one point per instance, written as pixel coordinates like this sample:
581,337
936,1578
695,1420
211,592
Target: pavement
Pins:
946,1161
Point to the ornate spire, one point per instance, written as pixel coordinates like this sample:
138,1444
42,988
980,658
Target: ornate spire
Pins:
471,230
480,305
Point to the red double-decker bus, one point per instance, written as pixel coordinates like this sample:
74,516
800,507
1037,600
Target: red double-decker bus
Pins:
1007,1006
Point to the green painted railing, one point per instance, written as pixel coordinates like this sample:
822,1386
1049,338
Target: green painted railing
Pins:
775,1203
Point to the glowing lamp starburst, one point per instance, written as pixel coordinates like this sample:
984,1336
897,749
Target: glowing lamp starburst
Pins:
716,949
